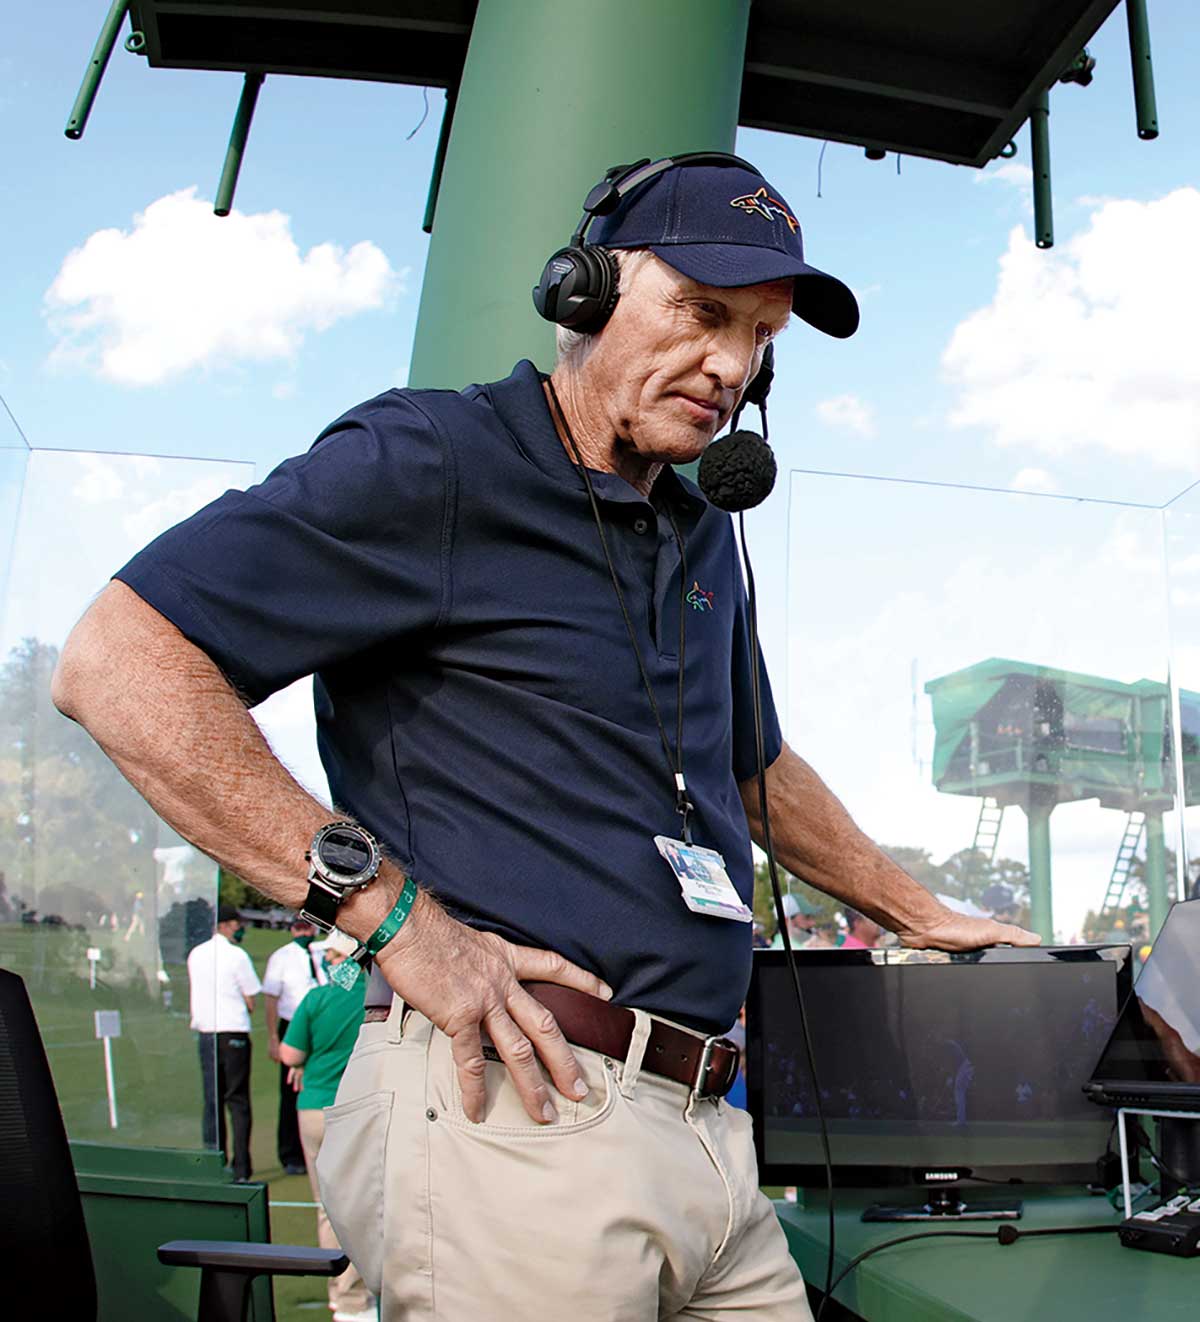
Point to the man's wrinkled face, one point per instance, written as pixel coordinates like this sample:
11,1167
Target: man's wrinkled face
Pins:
674,359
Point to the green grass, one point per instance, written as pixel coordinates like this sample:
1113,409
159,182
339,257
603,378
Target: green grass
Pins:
155,1064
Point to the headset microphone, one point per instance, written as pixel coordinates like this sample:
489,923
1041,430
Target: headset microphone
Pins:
738,471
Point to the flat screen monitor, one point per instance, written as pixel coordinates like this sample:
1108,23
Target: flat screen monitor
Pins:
934,1068
1152,1059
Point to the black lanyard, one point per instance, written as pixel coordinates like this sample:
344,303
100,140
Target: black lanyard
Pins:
683,806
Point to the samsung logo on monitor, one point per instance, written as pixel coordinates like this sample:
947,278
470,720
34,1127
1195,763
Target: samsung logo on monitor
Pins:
941,1177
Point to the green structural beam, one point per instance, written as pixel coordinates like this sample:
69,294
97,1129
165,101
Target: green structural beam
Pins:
1158,885
1143,69
237,144
95,70
1041,916
553,92
1039,141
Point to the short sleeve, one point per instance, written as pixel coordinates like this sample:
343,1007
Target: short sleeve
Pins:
247,979
745,758
272,981
339,551
299,1030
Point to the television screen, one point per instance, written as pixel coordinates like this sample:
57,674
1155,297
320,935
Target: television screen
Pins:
970,1065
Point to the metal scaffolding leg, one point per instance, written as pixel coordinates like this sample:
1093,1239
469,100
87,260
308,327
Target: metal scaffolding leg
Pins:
1039,140
1041,909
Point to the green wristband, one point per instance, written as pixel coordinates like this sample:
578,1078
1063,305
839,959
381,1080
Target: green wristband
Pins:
394,921
347,972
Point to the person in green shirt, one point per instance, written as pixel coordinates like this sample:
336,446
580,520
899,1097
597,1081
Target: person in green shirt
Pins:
316,1047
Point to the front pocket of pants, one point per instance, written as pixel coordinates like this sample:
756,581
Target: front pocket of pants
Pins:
504,1113
350,1168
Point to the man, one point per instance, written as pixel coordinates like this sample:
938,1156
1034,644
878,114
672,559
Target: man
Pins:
223,986
862,933
316,1046
490,587
291,973
801,918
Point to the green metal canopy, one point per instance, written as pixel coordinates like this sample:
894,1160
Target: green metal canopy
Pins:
938,78
1012,731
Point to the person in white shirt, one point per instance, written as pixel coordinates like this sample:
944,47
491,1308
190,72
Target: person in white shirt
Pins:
292,971
223,986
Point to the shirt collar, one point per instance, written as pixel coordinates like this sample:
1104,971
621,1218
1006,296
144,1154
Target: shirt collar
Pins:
520,404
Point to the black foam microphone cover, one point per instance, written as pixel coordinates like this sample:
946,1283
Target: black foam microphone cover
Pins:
737,472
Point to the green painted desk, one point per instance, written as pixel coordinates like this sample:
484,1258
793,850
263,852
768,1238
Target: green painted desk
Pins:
1092,1278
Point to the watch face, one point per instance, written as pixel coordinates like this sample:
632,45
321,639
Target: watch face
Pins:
345,852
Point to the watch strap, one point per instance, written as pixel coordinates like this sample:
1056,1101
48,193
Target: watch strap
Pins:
320,906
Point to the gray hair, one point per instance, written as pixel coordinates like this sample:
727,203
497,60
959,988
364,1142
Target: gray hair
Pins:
574,346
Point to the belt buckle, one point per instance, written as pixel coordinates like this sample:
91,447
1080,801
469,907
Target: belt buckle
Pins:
700,1090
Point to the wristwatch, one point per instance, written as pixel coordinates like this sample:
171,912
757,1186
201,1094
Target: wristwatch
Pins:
342,859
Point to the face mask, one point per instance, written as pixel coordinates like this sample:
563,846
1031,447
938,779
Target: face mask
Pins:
303,941
240,935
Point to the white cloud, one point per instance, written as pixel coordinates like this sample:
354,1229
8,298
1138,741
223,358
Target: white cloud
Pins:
151,517
183,289
1033,479
1091,344
1015,176
99,482
848,412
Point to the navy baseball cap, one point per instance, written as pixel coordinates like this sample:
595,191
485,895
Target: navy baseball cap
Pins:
724,225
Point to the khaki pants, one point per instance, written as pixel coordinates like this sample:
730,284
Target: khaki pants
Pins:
346,1292
639,1204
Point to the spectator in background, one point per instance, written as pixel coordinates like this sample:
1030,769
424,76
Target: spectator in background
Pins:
801,918
315,1049
223,985
861,932
291,974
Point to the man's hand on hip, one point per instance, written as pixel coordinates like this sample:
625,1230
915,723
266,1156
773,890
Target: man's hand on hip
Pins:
468,983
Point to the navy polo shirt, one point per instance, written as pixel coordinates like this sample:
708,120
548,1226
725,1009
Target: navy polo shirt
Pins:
434,563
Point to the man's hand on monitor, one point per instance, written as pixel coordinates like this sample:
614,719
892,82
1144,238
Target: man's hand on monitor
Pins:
957,931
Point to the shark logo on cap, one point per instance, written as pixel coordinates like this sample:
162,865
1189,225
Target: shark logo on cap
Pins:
763,204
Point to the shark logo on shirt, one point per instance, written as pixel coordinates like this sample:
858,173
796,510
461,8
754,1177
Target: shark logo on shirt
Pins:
698,599
763,204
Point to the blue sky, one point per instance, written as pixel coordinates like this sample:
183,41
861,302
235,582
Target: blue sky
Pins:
980,360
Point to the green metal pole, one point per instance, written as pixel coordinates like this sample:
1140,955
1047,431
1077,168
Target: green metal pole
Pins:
1143,69
95,70
237,144
1039,141
439,162
1157,884
1041,916
553,92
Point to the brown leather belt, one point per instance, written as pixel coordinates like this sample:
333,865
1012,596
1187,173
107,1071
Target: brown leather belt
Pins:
707,1065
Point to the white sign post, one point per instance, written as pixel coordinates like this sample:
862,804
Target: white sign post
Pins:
108,1026
93,955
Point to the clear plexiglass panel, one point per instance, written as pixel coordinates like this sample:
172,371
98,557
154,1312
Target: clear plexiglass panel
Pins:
101,901
984,678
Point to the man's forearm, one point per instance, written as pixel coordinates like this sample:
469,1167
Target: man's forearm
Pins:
272,1009
168,718
815,838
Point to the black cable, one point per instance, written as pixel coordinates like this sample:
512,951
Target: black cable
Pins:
777,893
1005,1235
674,760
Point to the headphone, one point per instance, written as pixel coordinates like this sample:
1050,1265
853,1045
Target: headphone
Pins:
578,286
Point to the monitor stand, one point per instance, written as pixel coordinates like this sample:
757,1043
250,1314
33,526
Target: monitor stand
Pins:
945,1204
